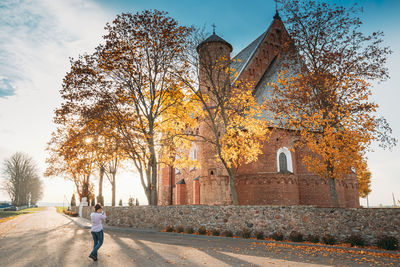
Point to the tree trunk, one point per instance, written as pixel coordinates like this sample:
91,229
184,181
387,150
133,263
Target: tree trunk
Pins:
17,201
85,189
113,190
100,198
232,187
148,195
153,186
85,192
151,189
332,186
332,189
153,178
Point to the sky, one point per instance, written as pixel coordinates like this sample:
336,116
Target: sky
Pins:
38,37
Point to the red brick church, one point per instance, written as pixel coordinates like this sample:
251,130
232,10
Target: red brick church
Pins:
278,177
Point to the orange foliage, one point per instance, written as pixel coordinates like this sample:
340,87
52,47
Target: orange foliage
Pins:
328,101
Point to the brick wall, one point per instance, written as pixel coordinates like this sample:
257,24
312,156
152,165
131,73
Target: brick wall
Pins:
196,192
268,189
340,222
181,194
214,190
165,185
257,183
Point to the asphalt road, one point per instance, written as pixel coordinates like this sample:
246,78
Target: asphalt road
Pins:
47,238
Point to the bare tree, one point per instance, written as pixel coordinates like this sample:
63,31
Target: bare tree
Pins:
36,190
21,180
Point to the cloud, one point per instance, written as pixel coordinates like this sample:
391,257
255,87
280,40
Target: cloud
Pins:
6,88
38,36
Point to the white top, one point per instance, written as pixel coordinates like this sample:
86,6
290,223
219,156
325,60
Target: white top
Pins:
96,217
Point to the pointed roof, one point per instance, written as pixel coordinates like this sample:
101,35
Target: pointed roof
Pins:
263,82
214,39
181,182
241,60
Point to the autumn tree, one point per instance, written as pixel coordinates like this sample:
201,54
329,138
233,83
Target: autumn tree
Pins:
222,114
72,156
140,57
328,100
108,153
364,180
83,105
111,168
128,84
364,184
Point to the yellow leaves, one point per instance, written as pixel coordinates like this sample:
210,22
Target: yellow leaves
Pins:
331,114
244,130
230,117
364,178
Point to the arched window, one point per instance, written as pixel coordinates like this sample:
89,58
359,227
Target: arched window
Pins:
177,170
284,160
193,152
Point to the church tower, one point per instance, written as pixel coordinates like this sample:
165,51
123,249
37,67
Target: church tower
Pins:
212,51
214,61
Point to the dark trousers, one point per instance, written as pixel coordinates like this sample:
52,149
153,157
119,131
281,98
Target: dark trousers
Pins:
98,238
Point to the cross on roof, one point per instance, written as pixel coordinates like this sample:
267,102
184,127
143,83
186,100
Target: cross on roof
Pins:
276,10
213,25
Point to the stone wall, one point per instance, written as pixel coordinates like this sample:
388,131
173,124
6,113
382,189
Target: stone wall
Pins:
340,222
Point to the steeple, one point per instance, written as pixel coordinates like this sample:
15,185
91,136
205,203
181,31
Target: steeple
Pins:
276,11
277,15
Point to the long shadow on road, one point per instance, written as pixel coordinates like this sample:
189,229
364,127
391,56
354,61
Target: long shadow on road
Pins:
144,247
49,240
21,245
37,243
238,252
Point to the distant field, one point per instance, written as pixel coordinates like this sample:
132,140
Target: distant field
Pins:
33,209
7,215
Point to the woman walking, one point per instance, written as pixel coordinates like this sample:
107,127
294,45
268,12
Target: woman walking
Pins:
97,230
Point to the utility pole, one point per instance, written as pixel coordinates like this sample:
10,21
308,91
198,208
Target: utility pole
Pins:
394,201
367,202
